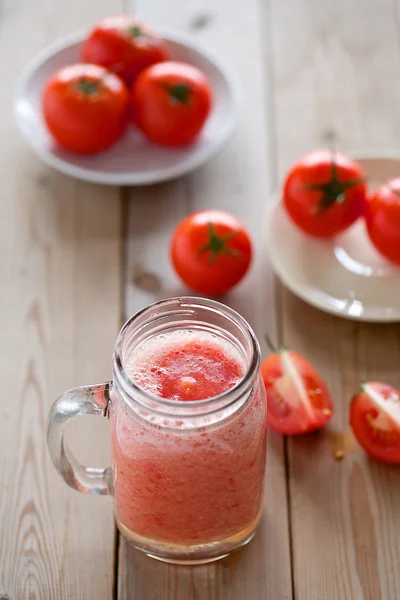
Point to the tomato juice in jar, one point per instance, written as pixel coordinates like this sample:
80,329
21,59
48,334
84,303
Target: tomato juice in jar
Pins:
188,420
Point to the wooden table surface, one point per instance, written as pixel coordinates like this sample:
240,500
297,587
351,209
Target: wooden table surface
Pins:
76,259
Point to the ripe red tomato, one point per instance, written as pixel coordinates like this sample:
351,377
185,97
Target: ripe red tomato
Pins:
383,219
375,420
211,251
171,102
85,108
298,400
124,45
324,193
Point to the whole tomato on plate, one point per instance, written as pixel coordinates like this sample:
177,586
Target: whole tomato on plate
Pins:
375,420
85,108
211,251
298,399
171,102
124,45
324,193
383,219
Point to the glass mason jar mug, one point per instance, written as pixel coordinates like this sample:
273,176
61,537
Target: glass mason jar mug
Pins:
187,474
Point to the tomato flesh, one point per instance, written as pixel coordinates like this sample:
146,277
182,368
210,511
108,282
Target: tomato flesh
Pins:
298,399
375,420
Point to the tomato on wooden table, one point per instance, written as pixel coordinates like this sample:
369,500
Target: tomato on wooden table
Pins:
324,193
171,102
375,420
124,45
298,399
85,108
383,219
211,251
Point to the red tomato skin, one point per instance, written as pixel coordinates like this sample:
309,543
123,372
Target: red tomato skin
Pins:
361,405
196,270
161,119
80,122
110,45
383,219
280,416
302,204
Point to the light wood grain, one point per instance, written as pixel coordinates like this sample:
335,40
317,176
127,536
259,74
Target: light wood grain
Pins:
336,72
59,314
238,181
311,72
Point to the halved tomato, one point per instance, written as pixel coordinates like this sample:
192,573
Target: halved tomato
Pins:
297,397
375,420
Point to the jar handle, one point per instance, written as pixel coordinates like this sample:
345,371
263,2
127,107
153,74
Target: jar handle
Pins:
86,400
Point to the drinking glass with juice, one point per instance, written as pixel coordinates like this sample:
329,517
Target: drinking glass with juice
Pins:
187,410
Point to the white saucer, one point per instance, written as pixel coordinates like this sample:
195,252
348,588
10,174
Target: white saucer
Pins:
133,160
345,276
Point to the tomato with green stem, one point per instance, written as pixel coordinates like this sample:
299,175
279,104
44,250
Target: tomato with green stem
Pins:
298,399
171,102
211,251
324,193
383,219
124,45
375,420
85,108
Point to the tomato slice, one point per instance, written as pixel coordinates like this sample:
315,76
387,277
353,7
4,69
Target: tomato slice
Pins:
298,399
375,420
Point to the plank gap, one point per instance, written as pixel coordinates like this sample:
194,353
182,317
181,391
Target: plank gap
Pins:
396,7
269,91
124,194
116,564
289,512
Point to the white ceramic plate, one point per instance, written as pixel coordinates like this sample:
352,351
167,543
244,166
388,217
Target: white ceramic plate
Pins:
133,160
345,276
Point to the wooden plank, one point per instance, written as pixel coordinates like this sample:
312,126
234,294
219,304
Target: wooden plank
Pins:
238,181
59,314
336,73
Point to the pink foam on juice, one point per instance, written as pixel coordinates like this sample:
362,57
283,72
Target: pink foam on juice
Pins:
187,366
188,487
